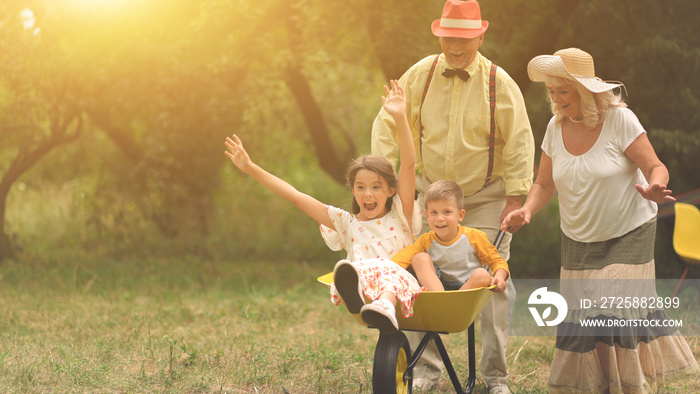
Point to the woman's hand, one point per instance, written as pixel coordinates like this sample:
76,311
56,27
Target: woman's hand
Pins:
395,101
515,220
655,192
237,153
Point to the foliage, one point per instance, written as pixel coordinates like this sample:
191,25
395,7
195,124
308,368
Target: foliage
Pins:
658,69
38,114
535,249
158,84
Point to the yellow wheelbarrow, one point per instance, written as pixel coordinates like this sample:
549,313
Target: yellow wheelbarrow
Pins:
434,313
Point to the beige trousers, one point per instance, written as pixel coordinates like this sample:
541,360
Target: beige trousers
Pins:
483,211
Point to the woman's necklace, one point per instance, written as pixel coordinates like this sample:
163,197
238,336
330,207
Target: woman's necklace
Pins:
577,121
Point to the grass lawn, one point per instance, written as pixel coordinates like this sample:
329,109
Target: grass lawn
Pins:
195,326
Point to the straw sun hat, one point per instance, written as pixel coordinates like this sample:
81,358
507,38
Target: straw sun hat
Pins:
570,63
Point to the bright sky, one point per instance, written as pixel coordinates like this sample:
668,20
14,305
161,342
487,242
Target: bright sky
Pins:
29,21
28,18
96,8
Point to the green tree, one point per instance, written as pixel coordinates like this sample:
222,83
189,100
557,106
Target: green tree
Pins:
39,111
299,81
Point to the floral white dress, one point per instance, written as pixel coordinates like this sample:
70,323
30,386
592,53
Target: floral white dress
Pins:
370,245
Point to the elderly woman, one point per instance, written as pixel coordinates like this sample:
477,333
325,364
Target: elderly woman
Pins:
598,158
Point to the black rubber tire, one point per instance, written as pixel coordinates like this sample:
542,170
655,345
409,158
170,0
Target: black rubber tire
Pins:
391,357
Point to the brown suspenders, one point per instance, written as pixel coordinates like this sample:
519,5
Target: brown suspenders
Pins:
422,100
492,105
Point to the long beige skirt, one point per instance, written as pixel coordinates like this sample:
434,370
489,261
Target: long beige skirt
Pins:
628,358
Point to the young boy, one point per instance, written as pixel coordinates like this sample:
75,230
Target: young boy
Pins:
448,257
451,256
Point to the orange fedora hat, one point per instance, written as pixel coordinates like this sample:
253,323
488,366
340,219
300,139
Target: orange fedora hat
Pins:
460,19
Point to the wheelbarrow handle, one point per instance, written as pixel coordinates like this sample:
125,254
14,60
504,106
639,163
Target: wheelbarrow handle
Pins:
499,238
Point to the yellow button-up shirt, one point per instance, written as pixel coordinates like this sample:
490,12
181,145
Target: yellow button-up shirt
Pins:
456,120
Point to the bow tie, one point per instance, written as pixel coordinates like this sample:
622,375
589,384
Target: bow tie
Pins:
449,73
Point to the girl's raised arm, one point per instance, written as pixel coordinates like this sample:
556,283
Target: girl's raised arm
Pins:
395,104
307,204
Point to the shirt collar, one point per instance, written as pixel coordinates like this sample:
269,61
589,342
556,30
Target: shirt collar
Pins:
472,68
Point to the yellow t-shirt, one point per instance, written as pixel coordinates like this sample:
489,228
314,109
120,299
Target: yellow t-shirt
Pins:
457,259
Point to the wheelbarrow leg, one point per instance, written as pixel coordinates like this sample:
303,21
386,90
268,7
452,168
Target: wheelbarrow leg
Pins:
421,347
434,336
471,381
451,370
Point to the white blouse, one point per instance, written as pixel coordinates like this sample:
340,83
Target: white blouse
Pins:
596,190
376,238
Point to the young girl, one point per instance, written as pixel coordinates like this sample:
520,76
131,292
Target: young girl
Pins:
384,220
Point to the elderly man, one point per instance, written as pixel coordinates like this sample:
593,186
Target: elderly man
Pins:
470,126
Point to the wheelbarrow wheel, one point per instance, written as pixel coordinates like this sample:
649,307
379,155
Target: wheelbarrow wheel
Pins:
390,374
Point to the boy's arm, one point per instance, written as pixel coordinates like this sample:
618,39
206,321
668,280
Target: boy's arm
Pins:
499,280
404,256
488,254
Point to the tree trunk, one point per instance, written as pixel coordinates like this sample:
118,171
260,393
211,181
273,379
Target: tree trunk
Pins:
6,251
331,162
25,160
320,135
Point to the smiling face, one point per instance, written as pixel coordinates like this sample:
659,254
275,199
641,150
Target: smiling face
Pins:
566,99
444,217
460,52
371,193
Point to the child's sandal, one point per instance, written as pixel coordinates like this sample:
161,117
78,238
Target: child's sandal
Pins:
348,285
381,314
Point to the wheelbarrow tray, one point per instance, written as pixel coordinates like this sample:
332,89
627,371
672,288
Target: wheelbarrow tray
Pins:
438,311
